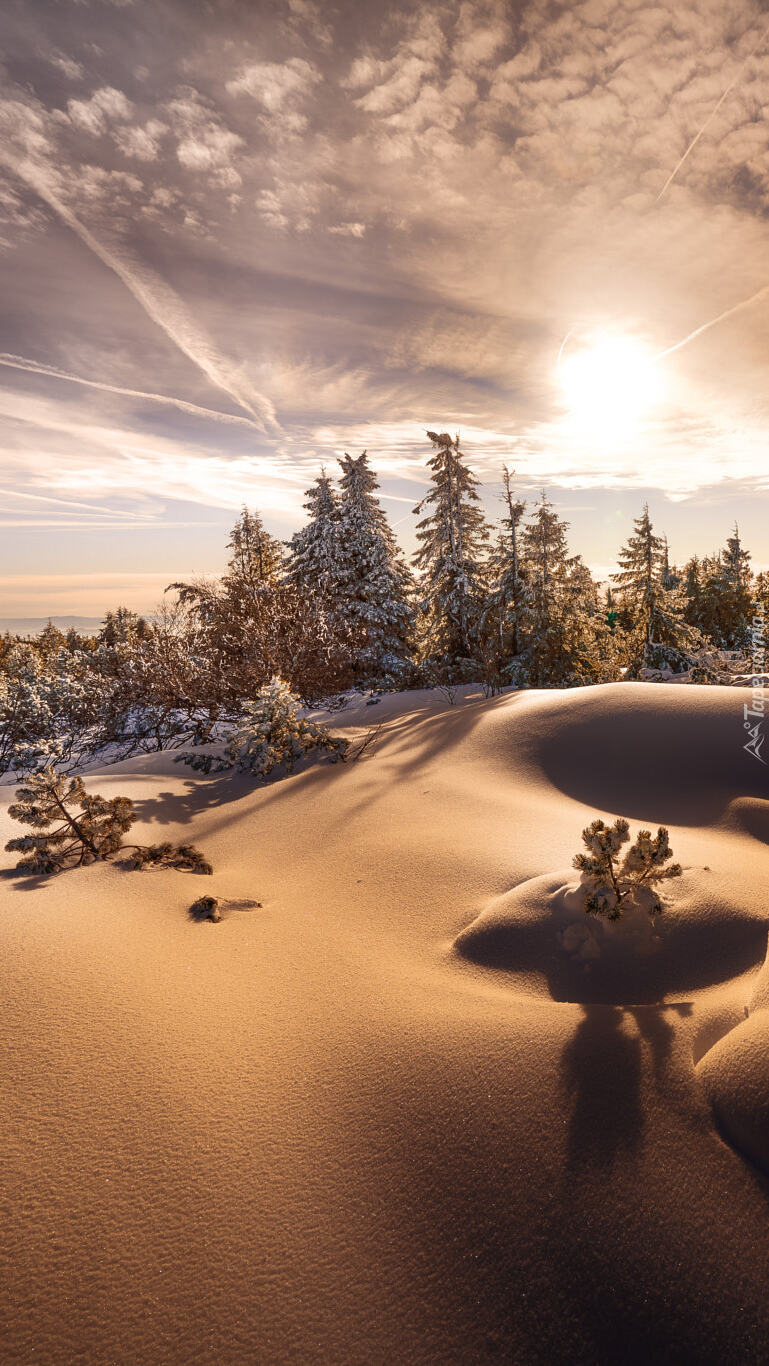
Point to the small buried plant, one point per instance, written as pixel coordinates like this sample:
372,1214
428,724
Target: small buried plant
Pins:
271,732
74,827
609,884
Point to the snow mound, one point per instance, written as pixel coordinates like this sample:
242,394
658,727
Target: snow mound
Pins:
735,1076
540,935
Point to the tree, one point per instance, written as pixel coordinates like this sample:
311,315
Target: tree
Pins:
452,538
50,640
545,554
271,732
505,603
257,557
653,614
608,884
734,590
123,627
374,581
74,827
315,551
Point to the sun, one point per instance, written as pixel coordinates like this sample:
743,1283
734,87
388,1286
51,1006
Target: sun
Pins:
610,384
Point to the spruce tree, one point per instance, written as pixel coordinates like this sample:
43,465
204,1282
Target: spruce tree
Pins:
735,591
374,581
719,594
123,627
505,603
452,537
315,551
256,558
653,614
545,553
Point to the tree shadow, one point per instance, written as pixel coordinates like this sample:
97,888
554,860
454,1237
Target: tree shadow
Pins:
26,882
694,955
601,1068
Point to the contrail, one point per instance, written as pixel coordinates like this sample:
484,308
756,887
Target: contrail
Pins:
158,300
34,367
65,503
711,115
705,327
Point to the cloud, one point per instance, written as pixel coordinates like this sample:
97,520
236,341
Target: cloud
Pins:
51,371
348,229
104,106
72,69
161,304
142,143
204,143
281,88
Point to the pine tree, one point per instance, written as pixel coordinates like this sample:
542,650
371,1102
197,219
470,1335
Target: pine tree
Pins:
315,551
374,580
735,590
271,732
505,603
638,578
452,538
74,827
610,885
653,614
123,627
545,553
719,595
50,640
257,557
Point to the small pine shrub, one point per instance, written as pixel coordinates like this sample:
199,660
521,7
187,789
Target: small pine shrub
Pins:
608,883
271,732
183,856
74,827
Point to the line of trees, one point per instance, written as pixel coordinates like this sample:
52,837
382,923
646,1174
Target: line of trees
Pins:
338,607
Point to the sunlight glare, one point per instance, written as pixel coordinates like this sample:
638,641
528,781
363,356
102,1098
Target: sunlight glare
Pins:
610,385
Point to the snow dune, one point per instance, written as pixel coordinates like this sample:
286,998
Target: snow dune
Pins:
391,1115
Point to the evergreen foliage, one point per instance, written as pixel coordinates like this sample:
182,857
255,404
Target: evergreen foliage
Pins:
720,595
271,733
315,561
653,613
609,885
507,590
338,612
452,539
374,583
257,557
73,827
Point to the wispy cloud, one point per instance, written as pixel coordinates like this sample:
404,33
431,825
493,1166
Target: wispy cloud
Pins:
158,300
53,372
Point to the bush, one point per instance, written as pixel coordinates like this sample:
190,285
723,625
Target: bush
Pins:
610,885
74,827
271,732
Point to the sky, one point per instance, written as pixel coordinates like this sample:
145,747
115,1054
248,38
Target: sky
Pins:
239,238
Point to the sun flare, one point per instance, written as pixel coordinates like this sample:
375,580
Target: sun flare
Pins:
610,384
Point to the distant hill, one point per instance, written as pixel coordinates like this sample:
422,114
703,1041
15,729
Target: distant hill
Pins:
32,626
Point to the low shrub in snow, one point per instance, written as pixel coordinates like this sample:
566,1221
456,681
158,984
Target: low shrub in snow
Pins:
610,885
271,733
74,827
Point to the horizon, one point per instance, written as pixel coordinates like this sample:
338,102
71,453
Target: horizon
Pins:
232,253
